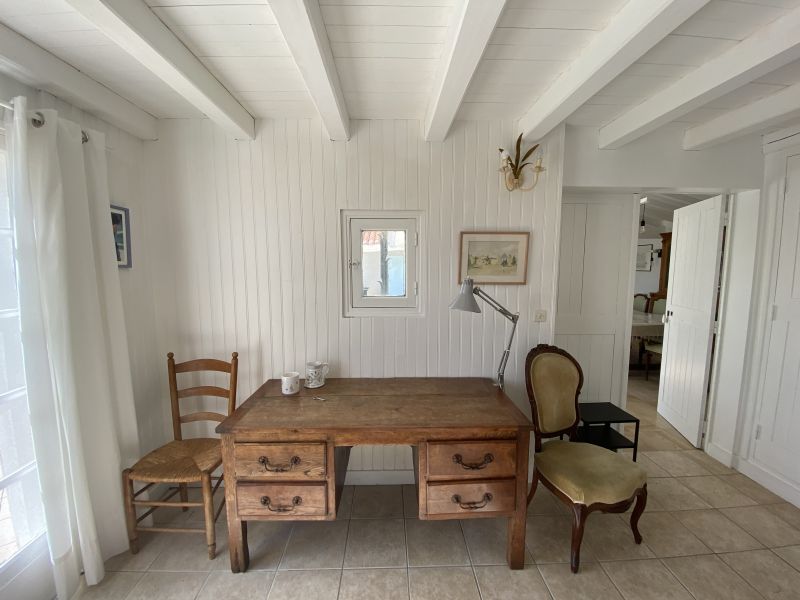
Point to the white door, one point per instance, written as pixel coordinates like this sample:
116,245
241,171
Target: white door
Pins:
691,311
777,444
595,289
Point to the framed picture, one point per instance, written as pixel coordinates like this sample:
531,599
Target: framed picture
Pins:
121,226
494,257
644,257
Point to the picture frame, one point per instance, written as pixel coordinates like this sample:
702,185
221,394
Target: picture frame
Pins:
644,257
494,257
121,229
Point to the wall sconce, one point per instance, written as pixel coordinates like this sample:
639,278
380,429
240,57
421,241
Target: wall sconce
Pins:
514,170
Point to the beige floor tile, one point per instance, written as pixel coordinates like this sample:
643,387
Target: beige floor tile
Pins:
750,488
671,494
590,583
766,527
150,546
168,586
486,541
549,539
666,536
500,583
378,502
708,578
677,463
640,579
652,439
410,502
375,543
188,552
443,583
345,508
716,531
710,463
611,538
545,503
766,572
435,543
788,512
266,541
252,585
316,545
374,584
716,492
305,585
791,554
115,586
653,470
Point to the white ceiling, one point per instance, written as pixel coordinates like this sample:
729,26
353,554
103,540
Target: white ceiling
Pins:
388,53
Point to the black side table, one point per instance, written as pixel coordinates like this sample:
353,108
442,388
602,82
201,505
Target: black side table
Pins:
597,418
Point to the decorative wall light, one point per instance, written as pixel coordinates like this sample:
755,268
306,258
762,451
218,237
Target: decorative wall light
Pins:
514,171
643,205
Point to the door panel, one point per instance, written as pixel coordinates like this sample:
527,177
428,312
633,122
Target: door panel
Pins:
778,444
691,311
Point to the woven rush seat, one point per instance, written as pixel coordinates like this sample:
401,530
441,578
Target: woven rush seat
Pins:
588,474
179,461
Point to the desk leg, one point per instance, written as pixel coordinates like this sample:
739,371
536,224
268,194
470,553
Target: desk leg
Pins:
237,529
515,551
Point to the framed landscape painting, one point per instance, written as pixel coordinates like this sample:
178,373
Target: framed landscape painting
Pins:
494,257
644,257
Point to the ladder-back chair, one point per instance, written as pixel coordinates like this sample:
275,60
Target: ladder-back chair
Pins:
586,477
183,461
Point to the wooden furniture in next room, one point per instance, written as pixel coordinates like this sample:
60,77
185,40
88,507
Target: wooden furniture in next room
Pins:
183,461
285,457
597,418
584,476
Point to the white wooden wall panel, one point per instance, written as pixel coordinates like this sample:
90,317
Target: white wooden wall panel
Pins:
243,240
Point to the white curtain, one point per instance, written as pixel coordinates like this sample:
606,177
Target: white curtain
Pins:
74,339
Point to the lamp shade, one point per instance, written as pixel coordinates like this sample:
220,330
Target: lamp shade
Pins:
466,299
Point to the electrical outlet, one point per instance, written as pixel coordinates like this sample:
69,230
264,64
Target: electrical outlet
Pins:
540,316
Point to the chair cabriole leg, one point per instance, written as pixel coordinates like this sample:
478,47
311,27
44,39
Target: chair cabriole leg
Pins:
641,502
579,513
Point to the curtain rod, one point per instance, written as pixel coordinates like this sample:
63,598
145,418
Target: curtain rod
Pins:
38,122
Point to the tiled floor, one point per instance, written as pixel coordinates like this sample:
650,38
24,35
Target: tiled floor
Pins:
708,533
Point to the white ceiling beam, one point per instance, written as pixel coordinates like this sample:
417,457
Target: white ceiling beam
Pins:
302,26
770,48
639,26
469,33
750,118
137,30
36,67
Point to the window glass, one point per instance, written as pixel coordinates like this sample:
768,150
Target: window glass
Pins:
383,263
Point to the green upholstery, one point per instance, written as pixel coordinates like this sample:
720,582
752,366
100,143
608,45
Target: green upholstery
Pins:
658,307
555,380
588,474
640,302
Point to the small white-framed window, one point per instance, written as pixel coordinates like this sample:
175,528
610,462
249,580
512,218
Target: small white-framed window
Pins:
381,266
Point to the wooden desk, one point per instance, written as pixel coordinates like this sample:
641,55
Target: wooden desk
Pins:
285,457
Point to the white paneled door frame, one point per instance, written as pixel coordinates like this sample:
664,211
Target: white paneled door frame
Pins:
639,26
302,26
137,30
768,49
468,35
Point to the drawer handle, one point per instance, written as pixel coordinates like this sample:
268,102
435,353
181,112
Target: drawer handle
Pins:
293,462
458,459
487,497
296,501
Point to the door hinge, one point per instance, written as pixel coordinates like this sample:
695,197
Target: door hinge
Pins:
416,239
416,288
353,264
774,312
758,432
716,327
726,218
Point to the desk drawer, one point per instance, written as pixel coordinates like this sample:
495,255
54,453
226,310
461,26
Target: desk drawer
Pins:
472,460
281,499
280,461
472,497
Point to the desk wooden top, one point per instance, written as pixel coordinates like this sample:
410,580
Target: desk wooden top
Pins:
402,406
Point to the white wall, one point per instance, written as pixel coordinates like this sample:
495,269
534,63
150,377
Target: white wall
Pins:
243,242
646,282
657,161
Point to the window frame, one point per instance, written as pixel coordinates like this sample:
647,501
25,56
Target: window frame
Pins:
355,305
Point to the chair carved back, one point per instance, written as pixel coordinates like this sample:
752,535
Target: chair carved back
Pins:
640,302
193,366
553,379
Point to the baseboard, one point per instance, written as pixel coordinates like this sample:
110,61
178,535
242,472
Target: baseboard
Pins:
773,482
379,477
722,455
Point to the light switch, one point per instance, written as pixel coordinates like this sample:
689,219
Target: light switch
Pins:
540,316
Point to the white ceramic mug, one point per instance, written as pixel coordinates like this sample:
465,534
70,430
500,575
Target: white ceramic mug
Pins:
315,374
290,383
